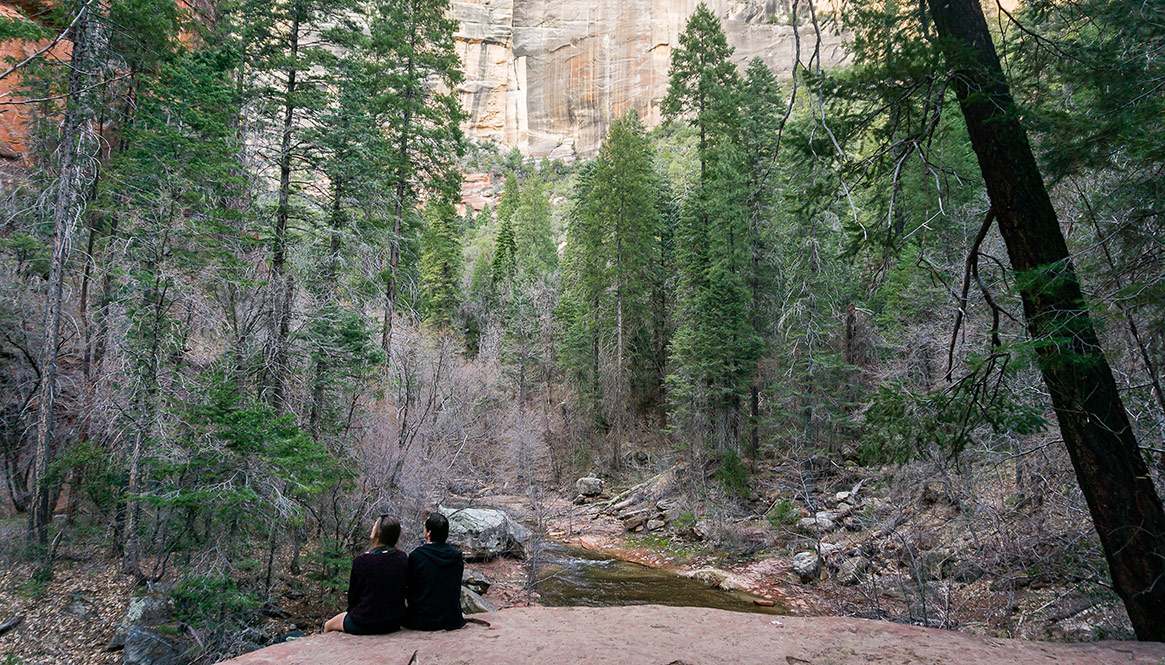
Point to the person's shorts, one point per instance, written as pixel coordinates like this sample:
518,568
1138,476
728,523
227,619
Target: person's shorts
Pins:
352,628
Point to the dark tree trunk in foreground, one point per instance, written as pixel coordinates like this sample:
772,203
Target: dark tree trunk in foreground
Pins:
1112,473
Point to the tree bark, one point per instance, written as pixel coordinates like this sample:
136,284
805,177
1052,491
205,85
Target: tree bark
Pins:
402,190
66,210
281,325
1112,474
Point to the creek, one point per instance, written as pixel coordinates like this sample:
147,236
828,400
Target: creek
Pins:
573,576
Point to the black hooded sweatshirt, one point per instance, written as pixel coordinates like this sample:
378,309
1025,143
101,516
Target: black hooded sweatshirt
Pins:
434,588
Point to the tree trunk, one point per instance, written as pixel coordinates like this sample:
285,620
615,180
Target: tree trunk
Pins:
398,221
331,270
153,300
620,374
1115,481
87,39
281,325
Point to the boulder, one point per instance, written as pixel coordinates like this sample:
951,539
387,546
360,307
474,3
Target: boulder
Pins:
655,525
477,582
634,522
701,530
485,533
816,524
807,565
144,638
473,603
589,486
711,576
827,549
852,570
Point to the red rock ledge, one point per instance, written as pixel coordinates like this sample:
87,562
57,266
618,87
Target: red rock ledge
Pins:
655,635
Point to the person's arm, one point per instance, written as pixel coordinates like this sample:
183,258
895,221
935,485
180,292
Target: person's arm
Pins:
355,582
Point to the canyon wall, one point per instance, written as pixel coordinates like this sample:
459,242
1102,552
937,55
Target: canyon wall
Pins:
15,117
548,76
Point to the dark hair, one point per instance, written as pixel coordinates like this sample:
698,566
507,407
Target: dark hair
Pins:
386,532
438,527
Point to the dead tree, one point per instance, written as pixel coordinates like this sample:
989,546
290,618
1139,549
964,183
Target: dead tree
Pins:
88,42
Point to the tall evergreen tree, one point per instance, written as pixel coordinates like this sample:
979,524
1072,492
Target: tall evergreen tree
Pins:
511,197
583,285
288,63
714,349
760,127
441,264
535,250
351,149
611,275
623,202
413,40
1112,473
505,251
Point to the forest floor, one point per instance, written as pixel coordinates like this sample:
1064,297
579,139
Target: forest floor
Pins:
68,620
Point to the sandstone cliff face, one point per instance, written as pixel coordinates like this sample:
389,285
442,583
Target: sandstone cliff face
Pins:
548,76
13,118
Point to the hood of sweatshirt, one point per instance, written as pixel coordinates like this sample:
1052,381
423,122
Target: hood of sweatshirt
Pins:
443,555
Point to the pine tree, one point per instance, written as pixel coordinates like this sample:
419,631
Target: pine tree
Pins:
87,58
714,348
584,284
535,251
623,203
1109,465
760,129
351,149
511,197
413,40
611,274
175,178
441,264
288,58
505,251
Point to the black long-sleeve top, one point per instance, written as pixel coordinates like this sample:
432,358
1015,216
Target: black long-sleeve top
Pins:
376,590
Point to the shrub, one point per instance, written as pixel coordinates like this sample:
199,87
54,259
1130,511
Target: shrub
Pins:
783,514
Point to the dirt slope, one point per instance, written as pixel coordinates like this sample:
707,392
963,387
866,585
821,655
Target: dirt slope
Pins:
654,635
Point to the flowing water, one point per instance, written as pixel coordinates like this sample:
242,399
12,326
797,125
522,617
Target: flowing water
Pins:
572,576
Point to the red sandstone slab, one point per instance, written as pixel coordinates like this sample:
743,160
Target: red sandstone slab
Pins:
655,635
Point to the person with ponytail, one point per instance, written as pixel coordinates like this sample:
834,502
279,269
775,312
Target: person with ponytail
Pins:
376,588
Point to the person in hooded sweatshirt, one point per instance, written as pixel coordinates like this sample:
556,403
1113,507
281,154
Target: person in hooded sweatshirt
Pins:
434,586
376,587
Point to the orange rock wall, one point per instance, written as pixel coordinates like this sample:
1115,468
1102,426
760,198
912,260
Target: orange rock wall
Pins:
14,118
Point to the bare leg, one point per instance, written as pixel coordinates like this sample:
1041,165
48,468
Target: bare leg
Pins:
336,623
